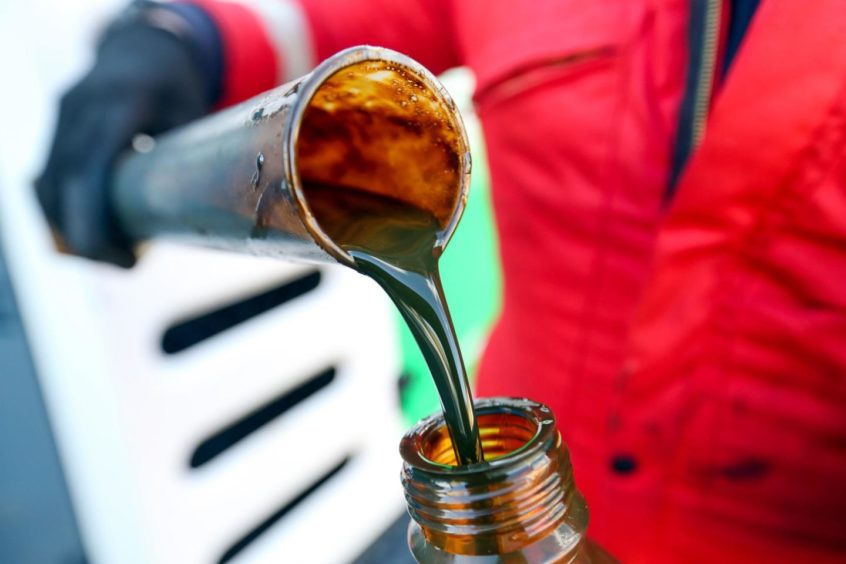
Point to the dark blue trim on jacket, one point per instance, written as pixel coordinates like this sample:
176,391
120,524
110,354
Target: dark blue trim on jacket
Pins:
741,15
208,44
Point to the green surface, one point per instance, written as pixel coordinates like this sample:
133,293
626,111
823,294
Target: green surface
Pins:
471,279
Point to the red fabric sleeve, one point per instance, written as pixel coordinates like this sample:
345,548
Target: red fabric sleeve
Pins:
249,59
421,29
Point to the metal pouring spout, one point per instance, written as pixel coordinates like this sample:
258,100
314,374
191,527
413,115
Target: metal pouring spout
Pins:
366,118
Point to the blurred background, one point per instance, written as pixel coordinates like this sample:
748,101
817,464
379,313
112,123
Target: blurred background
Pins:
201,407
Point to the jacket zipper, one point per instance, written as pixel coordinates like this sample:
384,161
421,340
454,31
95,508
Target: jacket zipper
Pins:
707,70
704,42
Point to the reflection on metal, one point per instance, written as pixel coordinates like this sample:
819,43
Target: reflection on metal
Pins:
367,118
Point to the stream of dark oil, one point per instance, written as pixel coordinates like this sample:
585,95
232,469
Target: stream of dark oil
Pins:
395,244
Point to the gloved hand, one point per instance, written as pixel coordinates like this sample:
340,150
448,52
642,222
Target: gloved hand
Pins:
145,80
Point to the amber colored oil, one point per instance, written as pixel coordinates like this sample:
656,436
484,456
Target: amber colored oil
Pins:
394,243
379,162
381,168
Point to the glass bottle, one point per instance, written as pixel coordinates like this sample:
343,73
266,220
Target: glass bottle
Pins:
519,506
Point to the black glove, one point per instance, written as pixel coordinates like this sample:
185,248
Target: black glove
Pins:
146,79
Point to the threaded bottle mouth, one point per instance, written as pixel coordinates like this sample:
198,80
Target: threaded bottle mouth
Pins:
521,493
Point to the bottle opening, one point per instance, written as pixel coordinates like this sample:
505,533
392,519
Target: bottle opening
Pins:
502,434
509,428
521,496
382,127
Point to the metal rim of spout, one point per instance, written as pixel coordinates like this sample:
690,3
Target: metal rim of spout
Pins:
309,87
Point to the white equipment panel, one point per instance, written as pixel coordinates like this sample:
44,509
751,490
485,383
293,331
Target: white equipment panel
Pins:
273,420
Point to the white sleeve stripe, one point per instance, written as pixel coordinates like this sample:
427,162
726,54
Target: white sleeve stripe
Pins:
287,28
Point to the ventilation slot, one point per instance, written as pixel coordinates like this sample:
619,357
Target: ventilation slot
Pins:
245,541
190,332
252,422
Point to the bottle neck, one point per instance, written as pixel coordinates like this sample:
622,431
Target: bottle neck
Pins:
521,494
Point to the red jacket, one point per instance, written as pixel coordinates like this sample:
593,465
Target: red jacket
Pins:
690,336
